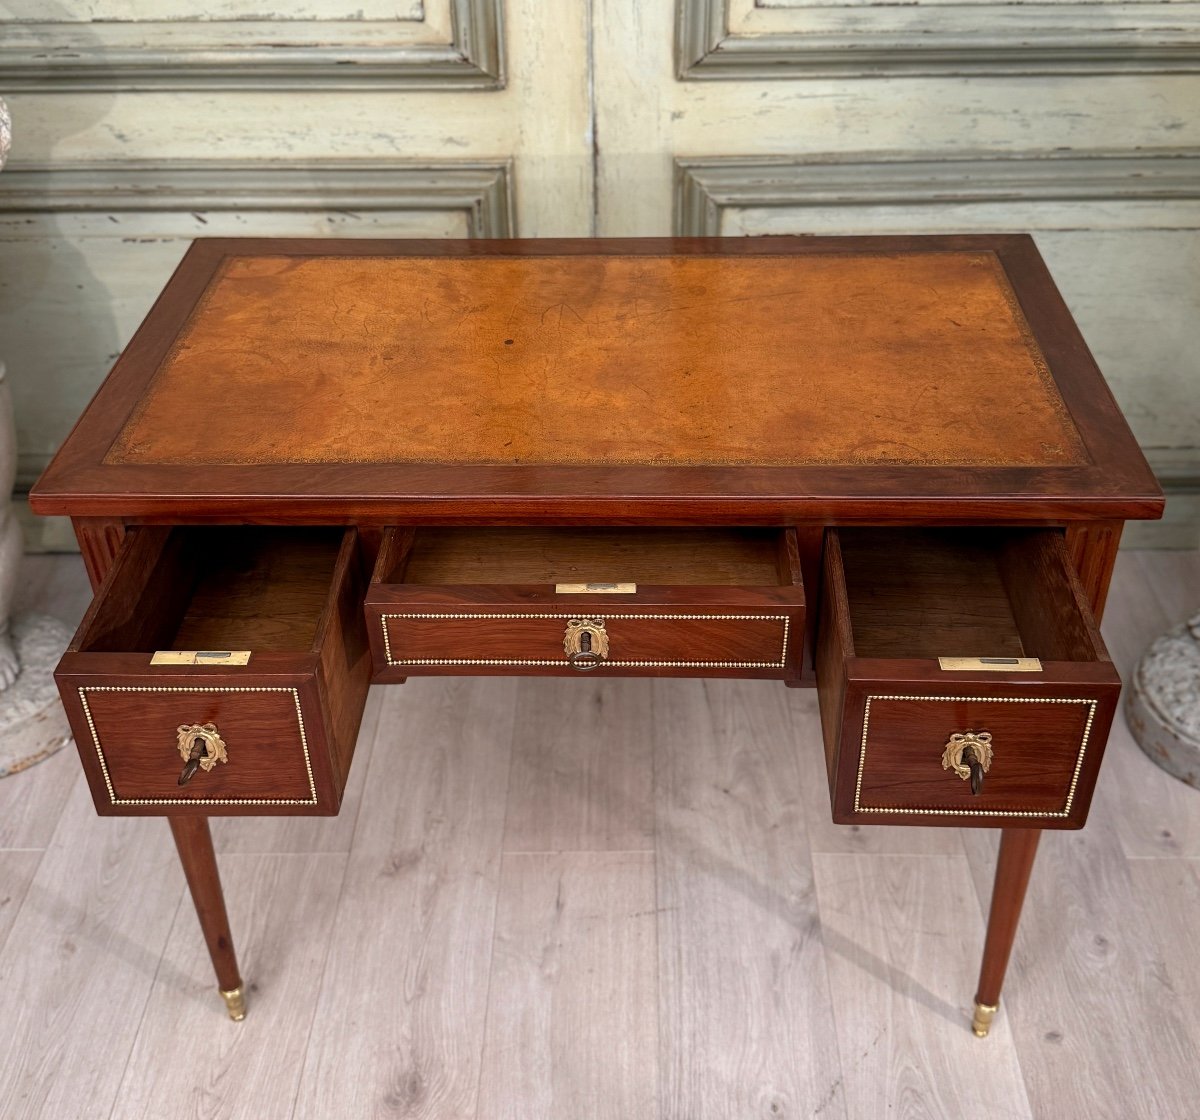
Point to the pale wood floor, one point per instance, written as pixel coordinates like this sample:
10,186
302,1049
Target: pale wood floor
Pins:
586,898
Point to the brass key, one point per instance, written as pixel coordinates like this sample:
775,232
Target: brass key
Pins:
193,761
969,755
201,748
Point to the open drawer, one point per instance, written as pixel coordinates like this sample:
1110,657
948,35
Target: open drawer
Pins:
237,654
555,601
962,678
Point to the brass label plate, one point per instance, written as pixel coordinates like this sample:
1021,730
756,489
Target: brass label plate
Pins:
991,664
201,657
595,588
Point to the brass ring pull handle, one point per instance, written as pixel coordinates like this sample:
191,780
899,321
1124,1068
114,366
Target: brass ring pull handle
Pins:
200,747
969,755
586,643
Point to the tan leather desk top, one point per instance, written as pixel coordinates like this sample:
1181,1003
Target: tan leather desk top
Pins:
773,361
692,381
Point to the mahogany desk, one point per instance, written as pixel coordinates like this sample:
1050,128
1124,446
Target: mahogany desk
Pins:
885,466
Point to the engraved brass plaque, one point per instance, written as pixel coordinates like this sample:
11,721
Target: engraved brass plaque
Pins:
201,657
991,664
595,588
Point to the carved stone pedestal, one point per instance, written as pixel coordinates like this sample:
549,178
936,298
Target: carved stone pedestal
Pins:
1162,704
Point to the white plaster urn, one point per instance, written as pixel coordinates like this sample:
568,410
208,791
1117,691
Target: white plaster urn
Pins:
32,724
1162,704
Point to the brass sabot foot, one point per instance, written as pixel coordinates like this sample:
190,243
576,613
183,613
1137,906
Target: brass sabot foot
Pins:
984,1014
235,1003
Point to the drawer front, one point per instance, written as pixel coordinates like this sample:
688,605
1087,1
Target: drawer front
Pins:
272,745
650,643
255,660
642,601
991,734
1038,750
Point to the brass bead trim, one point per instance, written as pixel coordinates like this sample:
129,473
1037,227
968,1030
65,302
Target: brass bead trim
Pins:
1044,814
564,663
115,800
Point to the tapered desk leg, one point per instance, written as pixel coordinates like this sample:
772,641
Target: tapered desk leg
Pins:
194,842
1018,846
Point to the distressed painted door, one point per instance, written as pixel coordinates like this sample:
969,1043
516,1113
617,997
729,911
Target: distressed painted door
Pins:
143,123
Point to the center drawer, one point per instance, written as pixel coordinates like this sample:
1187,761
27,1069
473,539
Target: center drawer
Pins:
556,601
221,670
962,678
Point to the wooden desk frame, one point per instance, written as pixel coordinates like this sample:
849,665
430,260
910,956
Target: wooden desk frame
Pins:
1089,501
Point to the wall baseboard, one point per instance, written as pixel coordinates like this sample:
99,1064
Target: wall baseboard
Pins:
1178,473
43,534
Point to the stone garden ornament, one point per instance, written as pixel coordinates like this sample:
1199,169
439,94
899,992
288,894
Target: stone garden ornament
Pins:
31,722
1162,703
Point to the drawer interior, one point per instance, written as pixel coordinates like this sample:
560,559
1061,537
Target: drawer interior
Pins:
893,602
734,557
216,587
670,601
963,592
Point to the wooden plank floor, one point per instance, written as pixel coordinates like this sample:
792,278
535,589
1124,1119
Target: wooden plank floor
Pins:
624,899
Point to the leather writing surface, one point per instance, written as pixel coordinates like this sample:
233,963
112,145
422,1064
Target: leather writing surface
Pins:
848,358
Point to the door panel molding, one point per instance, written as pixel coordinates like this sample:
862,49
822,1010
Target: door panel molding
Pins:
705,187
845,39
481,188
61,55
